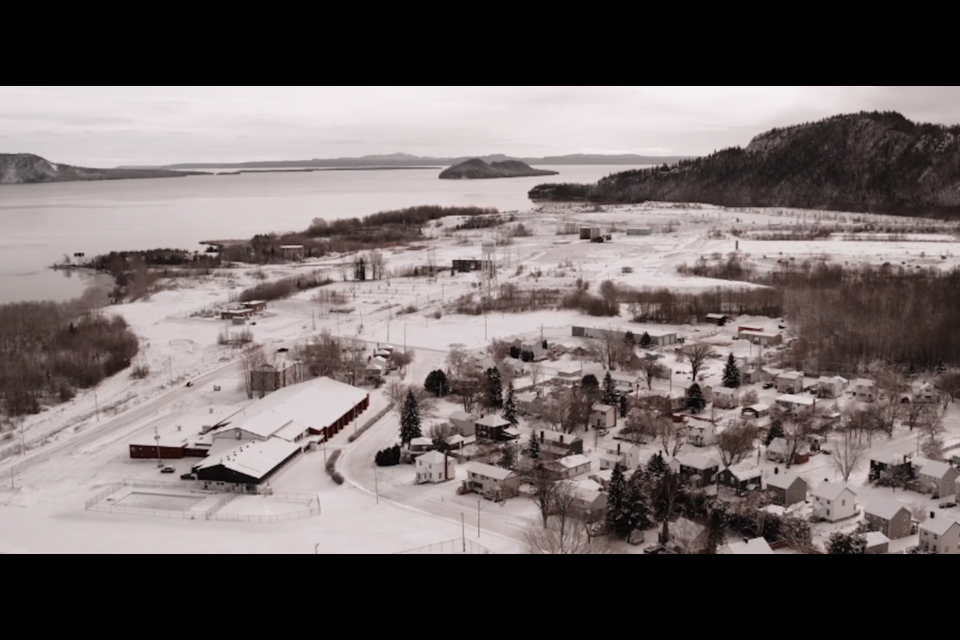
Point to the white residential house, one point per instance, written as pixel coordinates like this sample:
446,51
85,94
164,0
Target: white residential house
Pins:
865,390
755,547
626,384
790,382
603,417
619,452
701,434
796,403
833,388
464,423
724,398
434,468
940,536
529,404
492,482
921,393
834,502
570,467
940,477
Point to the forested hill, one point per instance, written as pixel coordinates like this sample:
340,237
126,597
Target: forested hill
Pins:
879,162
25,168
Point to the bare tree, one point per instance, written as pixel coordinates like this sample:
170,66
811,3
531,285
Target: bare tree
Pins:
698,354
572,540
609,349
736,443
750,398
536,374
848,453
651,370
567,410
252,358
397,393
949,384
459,362
377,264
931,426
797,427
323,357
354,360
671,436
544,489
470,388
499,350
401,360
440,433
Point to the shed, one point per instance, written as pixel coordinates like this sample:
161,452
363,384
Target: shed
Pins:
877,544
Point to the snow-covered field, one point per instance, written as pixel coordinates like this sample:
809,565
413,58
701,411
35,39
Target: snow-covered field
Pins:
77,449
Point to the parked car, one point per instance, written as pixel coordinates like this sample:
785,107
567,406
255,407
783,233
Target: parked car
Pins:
188,476
655,550
948,505
168,470
769,385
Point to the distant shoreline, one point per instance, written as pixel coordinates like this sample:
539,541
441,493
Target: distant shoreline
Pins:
317,169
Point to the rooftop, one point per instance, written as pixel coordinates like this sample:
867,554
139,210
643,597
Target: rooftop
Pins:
574,462
487,471
557,437
885,509
863,382
461,416
254,459
603,408
938,526
317,404
876,539
795,399
935,469
755,547
493,422
432,458
745,471
697,461
421,442
782,481
792,375
830,491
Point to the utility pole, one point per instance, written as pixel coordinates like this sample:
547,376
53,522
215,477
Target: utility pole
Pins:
376,482
156,436
463,526
96,407
479,503
170,368
404,337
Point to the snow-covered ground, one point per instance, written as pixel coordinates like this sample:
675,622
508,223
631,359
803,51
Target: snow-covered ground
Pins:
77,449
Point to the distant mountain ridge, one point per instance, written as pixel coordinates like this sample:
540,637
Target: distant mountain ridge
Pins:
870,162
477,169
27,168
405,159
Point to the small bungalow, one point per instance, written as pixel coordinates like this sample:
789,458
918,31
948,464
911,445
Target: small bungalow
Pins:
717,319
724,398
755,412
688,538
889,518
939,477
877,544
529,404
589,505
790,382
493,483
742,478
834,502
755,547
420,445
556,444
232,314
702,469
464,423
701,434
570,467
619,453
455,443
625,383
603,417
435,467
292,251
940,536
786,489
779,450
761,338
832,388
865,390
494,428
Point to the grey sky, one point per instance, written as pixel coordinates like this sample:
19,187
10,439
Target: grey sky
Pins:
108,126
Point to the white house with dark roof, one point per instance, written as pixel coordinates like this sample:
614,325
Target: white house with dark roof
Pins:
834,502
940,536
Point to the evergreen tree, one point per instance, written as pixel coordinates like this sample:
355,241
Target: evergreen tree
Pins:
646,341
636,510
494,390
610,395
410,420
510,407
731,374
657,466
616,500
533,449
694,400
515,352
630,339
775,431
590,382
436,383
624,407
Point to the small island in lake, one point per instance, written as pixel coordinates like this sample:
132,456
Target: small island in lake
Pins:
477,169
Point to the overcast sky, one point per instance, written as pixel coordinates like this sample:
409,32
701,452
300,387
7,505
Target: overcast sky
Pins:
109,126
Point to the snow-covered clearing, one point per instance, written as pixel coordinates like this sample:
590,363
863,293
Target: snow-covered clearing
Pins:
77,449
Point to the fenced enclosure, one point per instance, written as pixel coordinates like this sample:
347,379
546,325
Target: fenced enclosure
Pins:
185,501
459,547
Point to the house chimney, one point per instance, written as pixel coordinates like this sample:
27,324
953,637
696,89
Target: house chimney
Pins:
561,439
933,515
543,436
776,471
446,466
619,452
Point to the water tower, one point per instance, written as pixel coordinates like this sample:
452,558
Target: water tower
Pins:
489,248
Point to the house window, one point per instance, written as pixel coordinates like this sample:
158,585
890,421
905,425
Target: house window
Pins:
844,503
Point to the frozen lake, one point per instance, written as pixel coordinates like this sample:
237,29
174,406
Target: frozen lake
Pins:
41,223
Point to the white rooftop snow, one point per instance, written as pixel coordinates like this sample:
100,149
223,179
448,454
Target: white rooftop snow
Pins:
934,469
745,471
938,526
317,404
885,509
254,459
574,462
876,539
697,461
829,491
783,481
755,547
432,458
487,471
493,422
795,399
